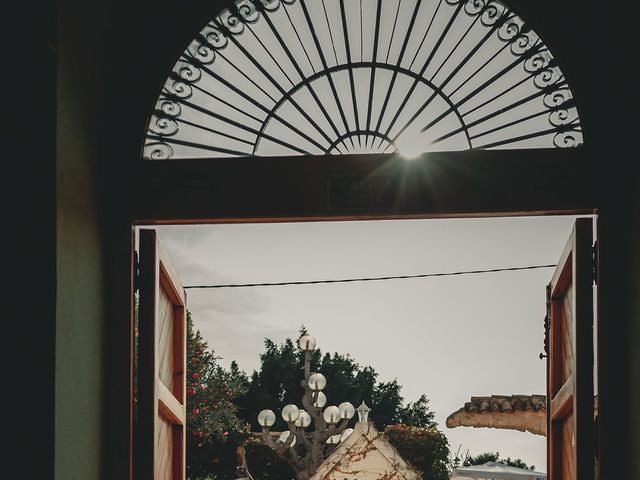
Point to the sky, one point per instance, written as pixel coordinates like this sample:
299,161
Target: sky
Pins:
448,337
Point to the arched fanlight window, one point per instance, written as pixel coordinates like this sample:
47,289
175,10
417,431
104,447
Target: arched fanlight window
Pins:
296,77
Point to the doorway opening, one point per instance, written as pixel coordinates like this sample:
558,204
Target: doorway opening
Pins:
472,326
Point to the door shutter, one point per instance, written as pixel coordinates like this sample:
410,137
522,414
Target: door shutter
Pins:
162,366
570,430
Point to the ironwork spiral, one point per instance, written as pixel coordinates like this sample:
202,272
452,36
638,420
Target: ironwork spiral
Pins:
294,77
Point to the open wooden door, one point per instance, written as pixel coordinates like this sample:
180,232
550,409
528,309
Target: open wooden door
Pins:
570,409
160,452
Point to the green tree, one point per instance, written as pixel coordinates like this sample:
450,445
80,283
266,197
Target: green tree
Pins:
495,457
214,430
277,383
426,448
417,413
223,405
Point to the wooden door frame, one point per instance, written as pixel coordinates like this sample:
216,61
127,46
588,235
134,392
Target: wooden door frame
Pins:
299,188
162,393
574,395
285,189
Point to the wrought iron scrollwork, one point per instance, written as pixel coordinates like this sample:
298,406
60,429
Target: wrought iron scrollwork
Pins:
158,151
298,77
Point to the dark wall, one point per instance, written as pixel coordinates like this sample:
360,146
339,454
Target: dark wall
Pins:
28,188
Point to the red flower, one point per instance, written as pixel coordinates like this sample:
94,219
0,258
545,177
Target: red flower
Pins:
226,433
196,411
196,376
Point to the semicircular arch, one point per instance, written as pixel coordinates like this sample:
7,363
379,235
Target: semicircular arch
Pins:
295,77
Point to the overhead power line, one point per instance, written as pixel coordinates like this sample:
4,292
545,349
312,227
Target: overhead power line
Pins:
372,279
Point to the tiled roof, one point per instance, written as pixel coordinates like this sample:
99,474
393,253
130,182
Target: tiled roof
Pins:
526,413
506,403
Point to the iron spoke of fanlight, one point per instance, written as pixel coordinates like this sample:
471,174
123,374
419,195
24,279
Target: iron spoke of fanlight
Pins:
295,64
244,127
298,109
426,64
262,107
302,45
491,116
292,59
374,59
310,88
268,52
498,95
332,85
482,87
508,124
345,32
398,63
220,132
366,133
226,103
211,148
564,128
373,66
273,81
455,71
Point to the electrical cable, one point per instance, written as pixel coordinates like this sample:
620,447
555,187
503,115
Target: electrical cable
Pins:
371,279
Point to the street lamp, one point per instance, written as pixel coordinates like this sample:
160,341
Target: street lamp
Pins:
307,343
290,413
317,382
363,417
363,413
346,410
331,415
266,418
305,451
321,400
304,419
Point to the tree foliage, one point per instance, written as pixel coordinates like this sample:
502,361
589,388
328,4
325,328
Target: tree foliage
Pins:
213,428
223,406
483,458
426,448
277,384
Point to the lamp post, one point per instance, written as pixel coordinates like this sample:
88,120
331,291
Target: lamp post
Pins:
363,417
306,450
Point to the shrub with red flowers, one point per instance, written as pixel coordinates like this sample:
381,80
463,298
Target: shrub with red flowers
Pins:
213,428
426,448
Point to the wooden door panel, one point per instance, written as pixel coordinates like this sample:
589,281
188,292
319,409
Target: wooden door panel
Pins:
562,337
166,341
570,445
567,428
162,365
164,447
